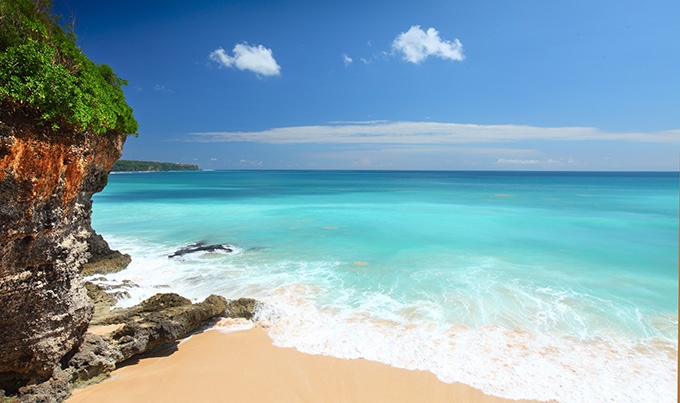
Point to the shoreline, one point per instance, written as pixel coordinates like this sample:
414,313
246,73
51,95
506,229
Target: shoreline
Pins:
245,366
561,318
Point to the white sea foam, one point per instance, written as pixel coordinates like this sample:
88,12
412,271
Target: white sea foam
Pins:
511,363
308,306
228,325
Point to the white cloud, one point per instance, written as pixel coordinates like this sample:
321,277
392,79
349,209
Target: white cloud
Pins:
346,59
257,59
357,122
385,132
417,45
445,151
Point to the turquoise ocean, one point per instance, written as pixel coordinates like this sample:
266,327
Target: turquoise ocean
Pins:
526,285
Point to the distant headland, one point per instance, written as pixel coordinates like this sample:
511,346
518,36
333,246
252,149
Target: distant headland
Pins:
151,166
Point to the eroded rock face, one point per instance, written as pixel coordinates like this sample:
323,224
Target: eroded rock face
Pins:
46,182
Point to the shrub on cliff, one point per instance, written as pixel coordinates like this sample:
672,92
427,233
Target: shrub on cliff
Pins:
42,68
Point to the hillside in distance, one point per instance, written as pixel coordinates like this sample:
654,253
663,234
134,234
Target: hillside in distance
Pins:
151,166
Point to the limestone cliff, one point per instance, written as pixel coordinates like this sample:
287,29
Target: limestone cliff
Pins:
47,179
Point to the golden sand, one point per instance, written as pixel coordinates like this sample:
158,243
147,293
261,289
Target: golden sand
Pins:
245,366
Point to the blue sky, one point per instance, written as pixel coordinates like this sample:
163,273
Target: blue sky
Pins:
531,85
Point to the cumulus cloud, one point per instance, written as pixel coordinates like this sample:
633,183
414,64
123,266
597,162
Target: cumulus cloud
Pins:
417,45
346,59
386,132
257,59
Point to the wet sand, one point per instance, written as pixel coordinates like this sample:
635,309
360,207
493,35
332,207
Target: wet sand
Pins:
244,366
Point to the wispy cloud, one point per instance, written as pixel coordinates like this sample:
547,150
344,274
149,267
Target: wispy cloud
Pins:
516,161
257,59
346,59
392,152
385,132
162,89
250,163
417,45
391,156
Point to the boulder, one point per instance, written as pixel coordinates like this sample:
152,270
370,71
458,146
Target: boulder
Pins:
241,308
156,322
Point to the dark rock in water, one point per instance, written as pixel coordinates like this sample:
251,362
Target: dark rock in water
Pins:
201,247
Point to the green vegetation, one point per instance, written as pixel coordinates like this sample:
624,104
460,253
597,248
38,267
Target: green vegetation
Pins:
43,71
145,166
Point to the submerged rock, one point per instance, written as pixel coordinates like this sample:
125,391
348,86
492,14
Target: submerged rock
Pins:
201,247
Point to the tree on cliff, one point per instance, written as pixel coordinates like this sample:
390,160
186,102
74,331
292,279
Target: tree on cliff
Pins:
42,71
63,121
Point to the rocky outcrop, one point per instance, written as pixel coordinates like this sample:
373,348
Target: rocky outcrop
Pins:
159,320
241,308
102,259
47,179
116,335
120,334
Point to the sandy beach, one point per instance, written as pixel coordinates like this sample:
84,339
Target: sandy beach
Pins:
244,366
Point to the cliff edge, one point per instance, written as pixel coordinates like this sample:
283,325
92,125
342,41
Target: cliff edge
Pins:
47,179
63,121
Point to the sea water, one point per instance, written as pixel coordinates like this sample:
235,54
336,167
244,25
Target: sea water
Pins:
526,285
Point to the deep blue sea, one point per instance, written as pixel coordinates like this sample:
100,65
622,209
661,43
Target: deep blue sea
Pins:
527,285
